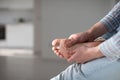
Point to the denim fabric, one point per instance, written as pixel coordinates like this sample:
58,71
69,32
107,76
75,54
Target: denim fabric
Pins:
118,29
73,72
98,69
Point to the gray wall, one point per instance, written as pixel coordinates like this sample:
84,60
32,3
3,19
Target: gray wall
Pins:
61,18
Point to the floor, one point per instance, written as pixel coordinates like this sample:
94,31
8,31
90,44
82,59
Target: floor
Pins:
28,67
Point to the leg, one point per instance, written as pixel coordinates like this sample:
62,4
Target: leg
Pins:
102,69
109,72
71,73
99,69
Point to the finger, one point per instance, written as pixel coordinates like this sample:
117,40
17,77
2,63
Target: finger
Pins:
73,36
70,42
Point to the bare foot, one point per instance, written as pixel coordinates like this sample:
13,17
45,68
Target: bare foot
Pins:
62,50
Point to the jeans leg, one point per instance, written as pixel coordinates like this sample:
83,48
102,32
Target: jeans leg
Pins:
99,69
102,69
109,72
71,73
95,66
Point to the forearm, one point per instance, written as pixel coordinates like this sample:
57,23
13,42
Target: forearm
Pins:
108,23
96,31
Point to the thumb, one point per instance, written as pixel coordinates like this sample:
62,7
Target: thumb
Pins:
73,40
70,42
73,36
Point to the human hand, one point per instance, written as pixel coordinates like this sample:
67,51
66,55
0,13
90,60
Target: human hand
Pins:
85,52
61,48
81,37
67,52
73,39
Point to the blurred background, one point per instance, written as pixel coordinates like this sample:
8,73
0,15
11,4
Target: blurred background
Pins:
27,28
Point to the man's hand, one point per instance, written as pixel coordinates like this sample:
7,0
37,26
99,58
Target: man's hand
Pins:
81,37
73,39
74,53
85,52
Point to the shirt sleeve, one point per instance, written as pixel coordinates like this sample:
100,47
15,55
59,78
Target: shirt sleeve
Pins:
111,47
112,19
108,34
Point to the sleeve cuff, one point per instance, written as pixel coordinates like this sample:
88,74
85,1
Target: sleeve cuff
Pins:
109,34
109,22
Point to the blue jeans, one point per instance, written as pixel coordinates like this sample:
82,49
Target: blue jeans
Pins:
99,69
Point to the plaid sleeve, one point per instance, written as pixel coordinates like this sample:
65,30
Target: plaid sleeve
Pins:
109,34
111,47
112,19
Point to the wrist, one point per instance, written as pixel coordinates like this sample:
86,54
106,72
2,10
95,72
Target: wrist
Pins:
85,37
95,52
96,31
98,53
90,35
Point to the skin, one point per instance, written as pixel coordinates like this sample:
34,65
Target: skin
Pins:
81,52
85,52
80,48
